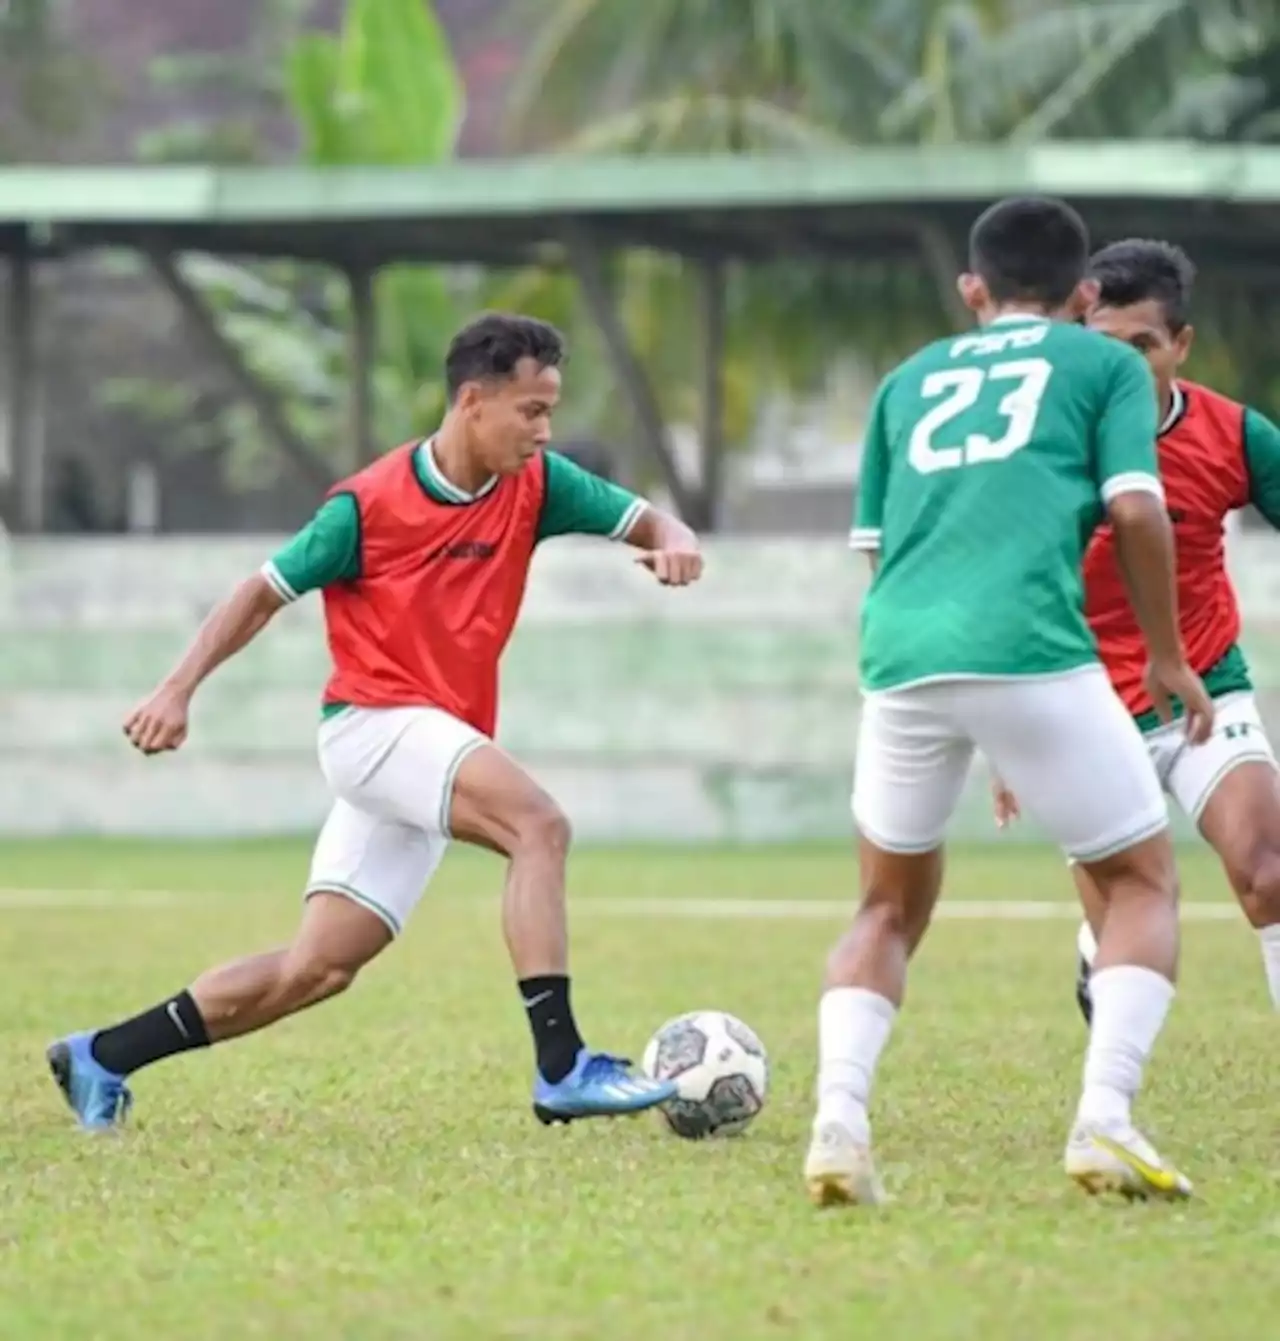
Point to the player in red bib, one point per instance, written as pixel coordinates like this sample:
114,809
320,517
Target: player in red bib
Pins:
422,560
1216,456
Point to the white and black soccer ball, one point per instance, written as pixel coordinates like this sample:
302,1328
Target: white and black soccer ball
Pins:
721,1072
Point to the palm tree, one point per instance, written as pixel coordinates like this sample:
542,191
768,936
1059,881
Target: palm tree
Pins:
1235,97
383,90
1147,68
737,74
755,74
742,76
803,76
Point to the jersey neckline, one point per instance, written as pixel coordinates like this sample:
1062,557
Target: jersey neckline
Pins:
1177,411
437,486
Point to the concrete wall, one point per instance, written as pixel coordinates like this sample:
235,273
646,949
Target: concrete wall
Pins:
726,712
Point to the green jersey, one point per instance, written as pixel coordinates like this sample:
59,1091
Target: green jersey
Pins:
988,462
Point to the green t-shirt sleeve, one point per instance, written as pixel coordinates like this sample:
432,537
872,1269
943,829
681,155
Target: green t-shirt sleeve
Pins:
873,474
326,550
1262,455
577,502
1127,460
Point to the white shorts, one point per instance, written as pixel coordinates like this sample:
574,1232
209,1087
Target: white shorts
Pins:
392,772
1191,773
1064,744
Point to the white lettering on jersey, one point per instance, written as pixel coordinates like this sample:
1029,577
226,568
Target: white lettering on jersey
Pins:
999,340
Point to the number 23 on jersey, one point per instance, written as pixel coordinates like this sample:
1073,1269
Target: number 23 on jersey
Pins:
957,390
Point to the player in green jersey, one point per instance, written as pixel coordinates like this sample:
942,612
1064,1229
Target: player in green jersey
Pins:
989,460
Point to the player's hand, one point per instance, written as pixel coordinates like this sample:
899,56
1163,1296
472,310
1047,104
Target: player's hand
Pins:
1178,680
673,567
160,723
1004,803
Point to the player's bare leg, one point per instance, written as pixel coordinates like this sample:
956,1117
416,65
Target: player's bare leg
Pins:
1241,822
497,805
866,978
1132,988
1095,909
335,940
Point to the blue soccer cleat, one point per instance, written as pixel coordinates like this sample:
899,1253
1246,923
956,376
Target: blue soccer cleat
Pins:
598,1086
98,1097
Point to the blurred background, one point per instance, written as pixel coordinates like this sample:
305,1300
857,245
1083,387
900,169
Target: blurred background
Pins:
235,239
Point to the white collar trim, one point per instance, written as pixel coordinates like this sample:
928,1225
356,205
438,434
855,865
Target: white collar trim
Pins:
1176,407
445,485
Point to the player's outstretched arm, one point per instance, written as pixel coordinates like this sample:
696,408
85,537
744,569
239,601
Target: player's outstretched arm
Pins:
160,723
326,550
670,548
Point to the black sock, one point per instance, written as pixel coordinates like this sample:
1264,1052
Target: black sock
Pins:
1084,996
173,1026
556,1040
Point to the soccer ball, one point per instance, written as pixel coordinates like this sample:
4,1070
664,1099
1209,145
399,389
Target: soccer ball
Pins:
720,1068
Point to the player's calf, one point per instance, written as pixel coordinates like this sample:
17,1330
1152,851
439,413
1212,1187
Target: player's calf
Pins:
1094,906
336,939
497,805
865,982
1131,985
1258,888
1086,952
1241,821
1256,882
1075,760
1129,992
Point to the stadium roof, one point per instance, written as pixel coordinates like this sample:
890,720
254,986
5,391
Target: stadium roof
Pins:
756,208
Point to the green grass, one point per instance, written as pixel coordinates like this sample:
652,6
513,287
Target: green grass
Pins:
371,1170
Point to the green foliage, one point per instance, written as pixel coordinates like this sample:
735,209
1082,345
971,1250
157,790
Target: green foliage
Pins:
49,86
803,76
249,78
229,141
1237,327
798,74
384,90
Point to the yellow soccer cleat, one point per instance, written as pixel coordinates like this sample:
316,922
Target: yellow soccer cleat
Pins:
839,1170
1118,1158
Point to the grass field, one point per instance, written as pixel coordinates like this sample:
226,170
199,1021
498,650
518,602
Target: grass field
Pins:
371,1170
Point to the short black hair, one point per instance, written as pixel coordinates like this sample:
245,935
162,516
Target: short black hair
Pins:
1030,248
1140,270
494,343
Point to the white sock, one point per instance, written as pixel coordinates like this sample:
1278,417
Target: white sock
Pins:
1087,944
1270,938
853,1027
1129,1009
